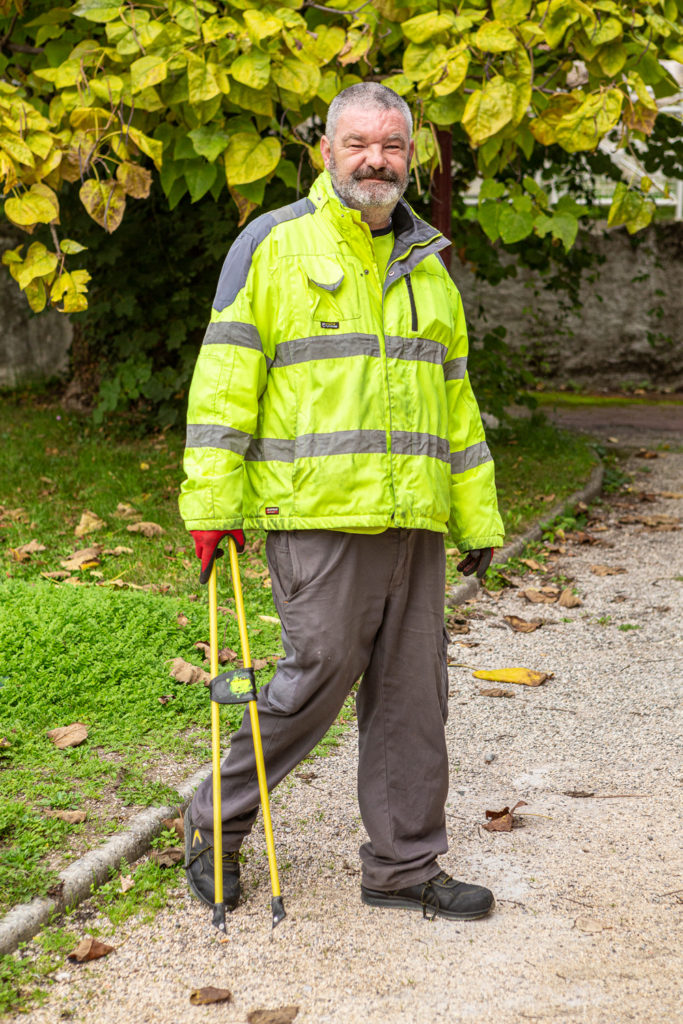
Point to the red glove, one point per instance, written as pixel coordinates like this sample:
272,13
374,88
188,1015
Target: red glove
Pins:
206,547
478,560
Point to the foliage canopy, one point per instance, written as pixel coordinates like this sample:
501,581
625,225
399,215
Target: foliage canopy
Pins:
207,95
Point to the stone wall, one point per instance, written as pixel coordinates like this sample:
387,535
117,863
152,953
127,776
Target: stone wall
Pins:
32,348
629,329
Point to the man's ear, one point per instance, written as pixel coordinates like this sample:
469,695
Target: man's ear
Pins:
325,149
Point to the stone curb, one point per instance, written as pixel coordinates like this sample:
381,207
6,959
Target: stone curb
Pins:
74,883
467,590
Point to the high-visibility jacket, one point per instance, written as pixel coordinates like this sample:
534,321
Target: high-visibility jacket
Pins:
325,398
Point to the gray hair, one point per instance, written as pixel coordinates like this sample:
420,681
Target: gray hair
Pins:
367,95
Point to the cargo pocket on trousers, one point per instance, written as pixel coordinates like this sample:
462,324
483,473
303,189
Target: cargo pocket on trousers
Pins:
443,691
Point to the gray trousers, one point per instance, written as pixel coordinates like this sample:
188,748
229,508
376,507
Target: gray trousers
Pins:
355,605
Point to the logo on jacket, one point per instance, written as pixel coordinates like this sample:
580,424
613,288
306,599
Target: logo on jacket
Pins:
330,324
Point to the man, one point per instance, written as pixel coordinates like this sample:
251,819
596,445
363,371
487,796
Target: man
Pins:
331,406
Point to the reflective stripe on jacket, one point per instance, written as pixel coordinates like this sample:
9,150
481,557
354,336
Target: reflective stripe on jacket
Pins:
324,398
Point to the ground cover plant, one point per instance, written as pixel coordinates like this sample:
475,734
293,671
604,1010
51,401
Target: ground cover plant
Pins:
94,642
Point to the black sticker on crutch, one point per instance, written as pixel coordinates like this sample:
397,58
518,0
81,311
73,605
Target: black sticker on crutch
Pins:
235,687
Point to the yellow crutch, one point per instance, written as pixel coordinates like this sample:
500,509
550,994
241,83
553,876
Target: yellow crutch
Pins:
236,687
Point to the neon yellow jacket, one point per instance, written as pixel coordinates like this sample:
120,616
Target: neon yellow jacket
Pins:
324,398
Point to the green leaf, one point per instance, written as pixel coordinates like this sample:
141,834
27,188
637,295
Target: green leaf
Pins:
70,247
209,141
565,227
249,157
515,224
612,58
488,215
105,201
200,177
491,189
445,110
557,16
511,12
603,32
287,173
400,84
96,10
297,76
67,74
425,146
630,208
489,109
146,72
424,27
252,69
494,37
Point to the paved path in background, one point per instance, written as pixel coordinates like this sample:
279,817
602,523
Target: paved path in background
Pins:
586,928
636,424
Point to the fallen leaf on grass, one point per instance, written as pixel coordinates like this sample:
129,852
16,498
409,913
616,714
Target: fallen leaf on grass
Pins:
70,817
118,550
182,620
166,698
4,743
495,691
84,558
58,575
146,529
502,821
270,618
24,551
89,949
607,570
225,654
127,883
187,673
568,599
591,925
177,824
88,523
260,663
283,1015
522,625
541,595
125,511
68,735
524,676
204,996
168,857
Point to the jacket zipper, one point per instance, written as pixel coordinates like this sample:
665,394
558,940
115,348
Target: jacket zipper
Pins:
413,308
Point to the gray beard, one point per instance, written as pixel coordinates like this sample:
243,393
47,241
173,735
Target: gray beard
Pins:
363,194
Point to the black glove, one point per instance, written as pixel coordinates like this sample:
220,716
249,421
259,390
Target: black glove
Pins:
478,560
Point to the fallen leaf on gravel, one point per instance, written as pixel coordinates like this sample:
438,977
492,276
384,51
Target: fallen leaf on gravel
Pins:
495,691
646,453
581,537
166,697
88,523
502,821
84,558
525,676
457,625
283,1015
613,440
591,925
68,735
541,595
669,494
118,550
579,793
125,511
182,620
168,857
146,529
532,564
204,996
187,673
522,625
607,570
270,618
89,949
70,817
307,776
127,883
568,599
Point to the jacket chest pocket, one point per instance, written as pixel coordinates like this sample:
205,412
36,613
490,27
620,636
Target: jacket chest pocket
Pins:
331,292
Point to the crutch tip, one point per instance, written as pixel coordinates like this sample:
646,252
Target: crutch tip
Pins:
278,908
219,916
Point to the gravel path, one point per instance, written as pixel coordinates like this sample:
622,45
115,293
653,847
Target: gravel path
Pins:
589,888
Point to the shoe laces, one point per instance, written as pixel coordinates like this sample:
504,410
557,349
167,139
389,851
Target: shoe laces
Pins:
429,898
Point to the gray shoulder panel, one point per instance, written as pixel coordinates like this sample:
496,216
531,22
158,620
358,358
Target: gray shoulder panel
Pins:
238,261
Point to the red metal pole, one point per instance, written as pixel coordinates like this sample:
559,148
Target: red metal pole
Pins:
442,185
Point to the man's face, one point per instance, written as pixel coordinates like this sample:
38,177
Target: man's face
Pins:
369,158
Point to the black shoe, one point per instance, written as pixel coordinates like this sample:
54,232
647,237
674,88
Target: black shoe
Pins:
199,867
441,896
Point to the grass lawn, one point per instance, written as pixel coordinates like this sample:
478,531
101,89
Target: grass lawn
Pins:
95,644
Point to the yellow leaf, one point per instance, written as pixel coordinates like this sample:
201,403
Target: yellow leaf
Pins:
37,206
524,676
494,37
136,180
489,109
39,262
105,201
147,71
249,157
297,76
